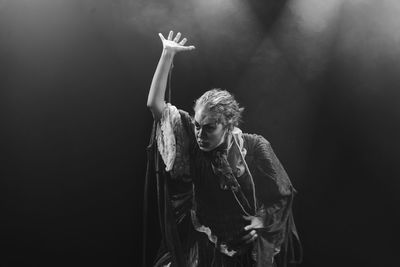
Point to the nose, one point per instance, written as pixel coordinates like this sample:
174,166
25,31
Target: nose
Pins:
200,133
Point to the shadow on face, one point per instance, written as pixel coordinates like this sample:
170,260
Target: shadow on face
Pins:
210,132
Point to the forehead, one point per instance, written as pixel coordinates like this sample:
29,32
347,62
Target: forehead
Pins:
204,116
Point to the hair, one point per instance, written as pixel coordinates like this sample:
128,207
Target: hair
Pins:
222,103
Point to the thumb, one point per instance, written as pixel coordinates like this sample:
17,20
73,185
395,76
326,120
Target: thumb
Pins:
187,48
161,36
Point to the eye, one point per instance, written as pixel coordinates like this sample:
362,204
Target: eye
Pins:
209,128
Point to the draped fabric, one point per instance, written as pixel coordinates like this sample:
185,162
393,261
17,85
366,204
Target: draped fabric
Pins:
201,209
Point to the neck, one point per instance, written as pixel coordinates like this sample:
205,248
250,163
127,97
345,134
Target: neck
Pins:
226,140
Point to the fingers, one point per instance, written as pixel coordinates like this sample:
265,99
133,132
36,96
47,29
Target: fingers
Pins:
175,43
254,237
183,42
250,237
170,35
187,48
177,37
255,222
251,225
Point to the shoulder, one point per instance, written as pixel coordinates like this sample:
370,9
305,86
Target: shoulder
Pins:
177,119
187,122
255,138
185,116
266,164
256,144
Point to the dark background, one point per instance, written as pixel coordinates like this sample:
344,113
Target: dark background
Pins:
319,79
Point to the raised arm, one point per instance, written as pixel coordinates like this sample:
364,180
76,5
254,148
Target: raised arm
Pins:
171,46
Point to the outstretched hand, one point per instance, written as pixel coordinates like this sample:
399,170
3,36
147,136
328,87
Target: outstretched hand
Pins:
173,44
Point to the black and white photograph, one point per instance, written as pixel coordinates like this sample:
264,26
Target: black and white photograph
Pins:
199,133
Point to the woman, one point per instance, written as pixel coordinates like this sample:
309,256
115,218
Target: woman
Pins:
227,199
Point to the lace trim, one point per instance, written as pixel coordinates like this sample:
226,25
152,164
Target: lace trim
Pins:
228,161
170,138
223,248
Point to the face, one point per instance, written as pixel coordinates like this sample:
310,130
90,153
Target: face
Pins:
209,132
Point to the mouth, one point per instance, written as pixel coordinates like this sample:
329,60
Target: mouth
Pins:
202,143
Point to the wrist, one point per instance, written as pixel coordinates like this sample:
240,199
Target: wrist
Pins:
167,53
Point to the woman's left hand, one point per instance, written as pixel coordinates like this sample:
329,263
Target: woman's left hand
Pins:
255,223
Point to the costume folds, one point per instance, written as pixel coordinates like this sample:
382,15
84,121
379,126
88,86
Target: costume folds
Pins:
204,196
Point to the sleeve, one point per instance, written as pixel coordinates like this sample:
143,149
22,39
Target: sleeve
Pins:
273,180
274,193
173,141
174,185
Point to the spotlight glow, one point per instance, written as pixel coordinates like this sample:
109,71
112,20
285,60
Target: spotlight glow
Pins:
315,15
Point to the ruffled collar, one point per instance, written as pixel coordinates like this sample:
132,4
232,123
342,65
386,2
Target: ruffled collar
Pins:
227,160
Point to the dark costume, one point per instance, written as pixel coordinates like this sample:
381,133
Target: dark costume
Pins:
204,196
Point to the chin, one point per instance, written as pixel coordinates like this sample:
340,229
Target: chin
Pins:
205,148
